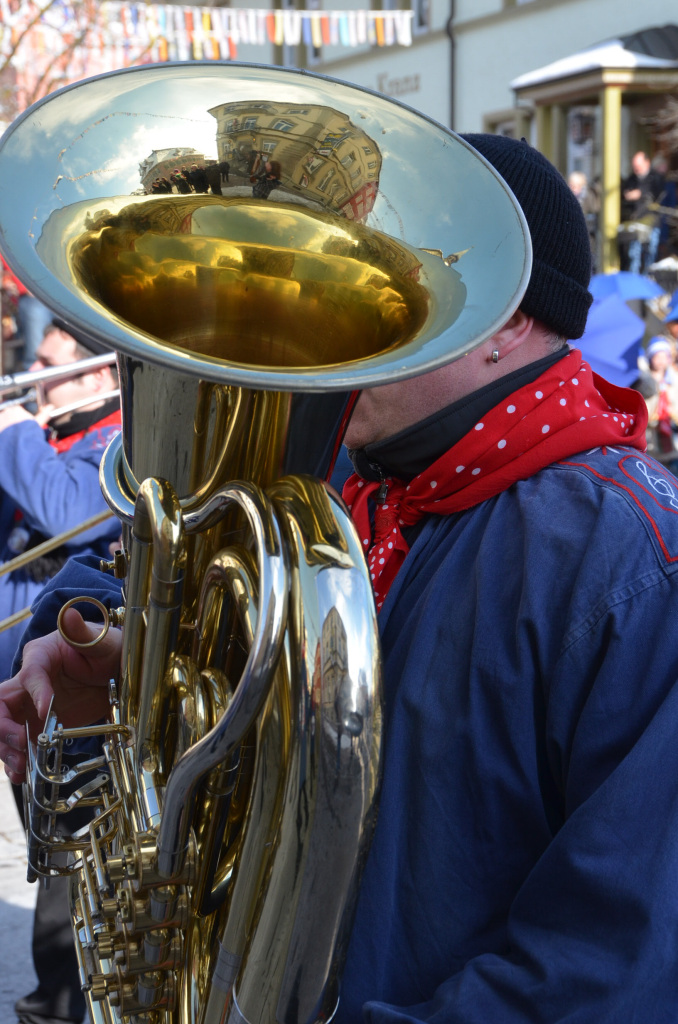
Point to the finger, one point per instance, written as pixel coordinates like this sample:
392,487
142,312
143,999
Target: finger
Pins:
76,629
13,741
80,632
41,663
44,414
76,678
16,709
16,770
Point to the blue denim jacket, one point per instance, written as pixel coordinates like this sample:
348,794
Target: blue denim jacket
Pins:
525,860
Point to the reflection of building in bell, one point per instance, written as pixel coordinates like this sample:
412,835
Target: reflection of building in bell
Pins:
334,648
162,162
349,700
323,156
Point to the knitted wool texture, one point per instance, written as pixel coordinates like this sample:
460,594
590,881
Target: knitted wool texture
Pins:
557,294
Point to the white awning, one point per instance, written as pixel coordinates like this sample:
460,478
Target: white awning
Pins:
609,55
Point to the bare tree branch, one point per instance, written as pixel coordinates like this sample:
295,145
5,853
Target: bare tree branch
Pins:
24,32
665,123
56,71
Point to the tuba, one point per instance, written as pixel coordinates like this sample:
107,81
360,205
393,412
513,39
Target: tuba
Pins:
346,242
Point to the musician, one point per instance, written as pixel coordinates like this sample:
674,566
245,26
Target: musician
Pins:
643,188
49,472
524,558
49,482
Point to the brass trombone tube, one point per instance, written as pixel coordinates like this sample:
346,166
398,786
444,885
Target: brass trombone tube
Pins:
27,378
61,410
43,549
82,403
30,396
15,619
54,542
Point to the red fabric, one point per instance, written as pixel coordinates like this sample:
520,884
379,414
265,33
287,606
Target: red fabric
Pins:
62,444
10,280
568,409
664,423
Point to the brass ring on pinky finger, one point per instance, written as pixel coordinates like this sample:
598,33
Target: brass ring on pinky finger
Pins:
99,637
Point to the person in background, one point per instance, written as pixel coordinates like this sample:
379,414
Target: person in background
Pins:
265,177
667,202
589,200
524,559
49,482
642,190
198,178
663,406
671,318
213,172
180,182
31,315
49,472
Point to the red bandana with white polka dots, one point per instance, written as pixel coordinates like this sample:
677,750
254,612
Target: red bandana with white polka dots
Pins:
568,409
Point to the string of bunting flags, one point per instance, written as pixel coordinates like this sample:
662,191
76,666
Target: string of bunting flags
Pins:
115,29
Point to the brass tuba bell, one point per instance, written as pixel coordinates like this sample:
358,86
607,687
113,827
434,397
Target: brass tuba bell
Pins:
346,242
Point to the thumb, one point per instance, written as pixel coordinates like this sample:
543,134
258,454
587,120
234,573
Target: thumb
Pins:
79,633
44,413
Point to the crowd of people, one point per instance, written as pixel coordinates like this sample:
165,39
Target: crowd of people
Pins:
523,552
200,178
658,382
648,212
264,176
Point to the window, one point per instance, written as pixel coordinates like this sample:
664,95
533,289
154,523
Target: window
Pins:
313,163
421,20
282,126
314,53
322,185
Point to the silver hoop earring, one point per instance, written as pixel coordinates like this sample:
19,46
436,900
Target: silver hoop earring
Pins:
495,355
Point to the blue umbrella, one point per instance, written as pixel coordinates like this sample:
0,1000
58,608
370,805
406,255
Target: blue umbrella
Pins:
611,342
624,284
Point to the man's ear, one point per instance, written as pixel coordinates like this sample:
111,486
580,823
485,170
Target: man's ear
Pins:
100,380
515,331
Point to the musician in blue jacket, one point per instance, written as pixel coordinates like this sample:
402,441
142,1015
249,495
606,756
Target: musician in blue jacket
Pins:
49,483
523,552
49,474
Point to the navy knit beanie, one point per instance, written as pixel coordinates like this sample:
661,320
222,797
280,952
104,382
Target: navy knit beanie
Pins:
557,294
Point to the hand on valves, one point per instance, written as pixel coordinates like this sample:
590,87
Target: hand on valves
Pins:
52,668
